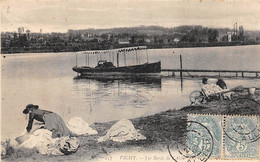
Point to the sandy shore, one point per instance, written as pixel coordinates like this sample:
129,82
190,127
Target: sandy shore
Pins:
159,129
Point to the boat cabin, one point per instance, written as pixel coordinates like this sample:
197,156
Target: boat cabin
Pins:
104,64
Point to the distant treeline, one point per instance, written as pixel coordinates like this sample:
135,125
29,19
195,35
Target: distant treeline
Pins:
103,39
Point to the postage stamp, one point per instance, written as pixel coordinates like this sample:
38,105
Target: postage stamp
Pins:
213,124
241,137
232,137
198,146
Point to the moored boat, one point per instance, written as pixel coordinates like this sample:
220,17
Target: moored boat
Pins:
107,68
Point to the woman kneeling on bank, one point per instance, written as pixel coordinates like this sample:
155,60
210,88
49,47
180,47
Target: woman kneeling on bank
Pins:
52,121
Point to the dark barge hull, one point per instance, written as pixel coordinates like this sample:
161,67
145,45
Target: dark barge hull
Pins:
135,70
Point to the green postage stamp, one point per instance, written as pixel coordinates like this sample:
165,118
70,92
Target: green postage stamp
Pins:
228,137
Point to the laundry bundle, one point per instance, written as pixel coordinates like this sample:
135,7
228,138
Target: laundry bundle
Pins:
122,131
42,140
45,143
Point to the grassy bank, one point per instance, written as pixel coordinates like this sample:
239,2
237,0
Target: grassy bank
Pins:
159,130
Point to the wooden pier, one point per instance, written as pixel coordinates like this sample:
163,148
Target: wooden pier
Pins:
236,72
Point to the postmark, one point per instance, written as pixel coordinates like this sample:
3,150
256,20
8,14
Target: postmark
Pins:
198,146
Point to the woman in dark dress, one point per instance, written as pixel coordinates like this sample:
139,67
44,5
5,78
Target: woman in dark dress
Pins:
52,121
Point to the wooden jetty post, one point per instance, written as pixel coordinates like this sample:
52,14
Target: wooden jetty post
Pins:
88,59
181,66
109,56
124,58
113,56
147,56
77,60
242,74
136,57
77,63
117,56
181,72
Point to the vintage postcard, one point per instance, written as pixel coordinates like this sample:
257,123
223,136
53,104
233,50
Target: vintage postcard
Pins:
130,80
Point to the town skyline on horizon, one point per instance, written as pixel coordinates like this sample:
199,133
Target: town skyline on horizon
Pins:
144,26
60,16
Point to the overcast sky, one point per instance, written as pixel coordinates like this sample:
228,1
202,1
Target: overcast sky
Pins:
61,15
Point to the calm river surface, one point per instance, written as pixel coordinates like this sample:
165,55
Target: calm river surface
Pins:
48,80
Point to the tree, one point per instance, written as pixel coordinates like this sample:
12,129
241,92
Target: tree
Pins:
212,35
112,39
104,36
48,43
234,37
23,41
133,39
184,38
141,39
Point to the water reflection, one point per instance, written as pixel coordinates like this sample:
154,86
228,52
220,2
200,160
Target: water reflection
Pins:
147,81
120,95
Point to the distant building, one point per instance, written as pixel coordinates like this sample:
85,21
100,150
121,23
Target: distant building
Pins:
229,36
109,36
21,30
90,35
235,29
176,40
87,39
147,40
123,41
218,39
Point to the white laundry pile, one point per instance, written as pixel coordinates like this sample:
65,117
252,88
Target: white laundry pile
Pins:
79,127
42,140
122,131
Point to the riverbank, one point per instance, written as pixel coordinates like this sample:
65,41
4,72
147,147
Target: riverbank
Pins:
44,49
159,129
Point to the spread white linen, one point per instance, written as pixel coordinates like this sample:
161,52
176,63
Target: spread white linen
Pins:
79,127
122,131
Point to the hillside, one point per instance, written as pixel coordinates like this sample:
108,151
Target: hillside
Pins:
158,30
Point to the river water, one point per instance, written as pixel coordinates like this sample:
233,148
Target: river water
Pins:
47,80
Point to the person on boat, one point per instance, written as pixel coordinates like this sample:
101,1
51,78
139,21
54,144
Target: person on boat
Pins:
213,88
52,121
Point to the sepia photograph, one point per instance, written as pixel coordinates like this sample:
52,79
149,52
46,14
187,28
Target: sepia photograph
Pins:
130,80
